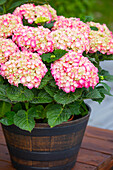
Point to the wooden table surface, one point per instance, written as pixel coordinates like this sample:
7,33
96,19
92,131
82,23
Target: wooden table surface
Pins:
96,152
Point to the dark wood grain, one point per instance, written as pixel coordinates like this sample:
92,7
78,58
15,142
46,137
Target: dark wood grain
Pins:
96,151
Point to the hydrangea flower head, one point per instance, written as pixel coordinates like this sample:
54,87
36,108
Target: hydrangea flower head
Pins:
7,48
70,39
99,41
24,67
103,28
8,24
32,13
74,71
71,23
34,39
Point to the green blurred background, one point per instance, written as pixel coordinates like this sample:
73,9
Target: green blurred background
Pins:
101,10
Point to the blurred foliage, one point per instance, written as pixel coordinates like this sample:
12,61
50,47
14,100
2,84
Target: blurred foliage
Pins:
73,8
7,6
103,12
66,8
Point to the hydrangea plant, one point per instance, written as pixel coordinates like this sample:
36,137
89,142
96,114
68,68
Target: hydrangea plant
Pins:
49,65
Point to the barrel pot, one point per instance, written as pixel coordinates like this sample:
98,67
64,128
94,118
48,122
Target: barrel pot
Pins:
45,148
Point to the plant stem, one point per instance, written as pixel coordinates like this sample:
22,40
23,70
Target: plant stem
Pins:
4,9
27,105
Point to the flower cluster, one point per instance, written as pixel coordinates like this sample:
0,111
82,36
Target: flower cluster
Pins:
8,24
71,23
103,28
34,39
74,71
7,48
70,39
32,13
24,67
100,40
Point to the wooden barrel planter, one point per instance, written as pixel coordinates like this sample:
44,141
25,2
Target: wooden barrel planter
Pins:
45,148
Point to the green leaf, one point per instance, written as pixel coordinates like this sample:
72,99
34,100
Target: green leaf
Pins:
94,28
66,98
19,94
59,53
53,83
4,108
74,108
45,80
106,86
15,4
37,112
51,57
93,94
47,57
24,120
56,114
2,2
42,97
3,96
51,90
8,119
1,80
103,91
49,25
17,107
106,75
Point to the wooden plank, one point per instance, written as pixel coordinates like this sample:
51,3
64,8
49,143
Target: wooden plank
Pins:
6,166
2,139
98,145
99,133
94,158
81,166
4,154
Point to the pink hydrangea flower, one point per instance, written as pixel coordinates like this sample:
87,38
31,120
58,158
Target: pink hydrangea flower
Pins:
8,24
71,23
24,67
100,40
70,39
34,39
74,71
7,48
103,28
32,12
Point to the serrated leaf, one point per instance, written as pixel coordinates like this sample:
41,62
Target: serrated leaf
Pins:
45,80
1,80
47,57
106,86
19,94
51,90
51,57
102,90
74,108
42,97
37,112
3,96
59,53
24,121
4,108
66,98
2,2
106,75
8,119
53,83
93,94
56,114
94,28
17,107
